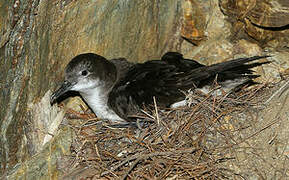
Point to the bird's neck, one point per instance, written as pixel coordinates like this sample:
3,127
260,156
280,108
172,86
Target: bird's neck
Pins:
97,100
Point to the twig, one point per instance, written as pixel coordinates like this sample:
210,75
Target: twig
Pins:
281,90
252,135
145,156
131,168
156,108
146,113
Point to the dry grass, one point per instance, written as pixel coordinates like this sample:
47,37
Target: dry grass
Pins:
192,142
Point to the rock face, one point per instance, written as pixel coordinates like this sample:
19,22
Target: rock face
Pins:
38,38
263,20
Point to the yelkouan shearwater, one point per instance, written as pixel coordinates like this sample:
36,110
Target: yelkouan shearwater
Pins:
116,89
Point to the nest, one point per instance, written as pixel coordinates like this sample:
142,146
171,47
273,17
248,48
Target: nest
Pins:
192,142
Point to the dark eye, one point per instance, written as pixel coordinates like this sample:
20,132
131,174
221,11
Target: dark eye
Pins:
84,72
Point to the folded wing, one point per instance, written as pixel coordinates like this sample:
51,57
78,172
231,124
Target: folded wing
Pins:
166,79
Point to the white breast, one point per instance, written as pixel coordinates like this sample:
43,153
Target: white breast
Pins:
97,101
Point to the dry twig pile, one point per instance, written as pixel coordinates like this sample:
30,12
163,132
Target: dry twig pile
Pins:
194,141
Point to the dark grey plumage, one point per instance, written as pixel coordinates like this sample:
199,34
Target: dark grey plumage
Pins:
117,89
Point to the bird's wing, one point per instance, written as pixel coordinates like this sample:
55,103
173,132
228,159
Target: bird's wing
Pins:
143,82
164,81
175,58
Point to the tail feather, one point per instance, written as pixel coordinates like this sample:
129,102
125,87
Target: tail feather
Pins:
246,68
208,71
224,66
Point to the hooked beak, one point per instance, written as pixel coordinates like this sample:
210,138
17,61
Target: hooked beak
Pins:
65,87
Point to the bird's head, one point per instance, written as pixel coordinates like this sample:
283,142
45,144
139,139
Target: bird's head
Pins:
86,72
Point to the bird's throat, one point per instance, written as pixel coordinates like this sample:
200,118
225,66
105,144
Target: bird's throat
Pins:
97,99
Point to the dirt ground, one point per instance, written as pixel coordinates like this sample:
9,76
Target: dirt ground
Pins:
242,135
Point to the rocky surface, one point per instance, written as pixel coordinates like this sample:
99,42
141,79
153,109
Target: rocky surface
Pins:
38,38
265,21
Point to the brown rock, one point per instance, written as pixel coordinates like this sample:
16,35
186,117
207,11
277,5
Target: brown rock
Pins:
248,48
262,20
193,26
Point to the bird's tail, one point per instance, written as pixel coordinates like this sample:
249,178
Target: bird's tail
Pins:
224,66
238,66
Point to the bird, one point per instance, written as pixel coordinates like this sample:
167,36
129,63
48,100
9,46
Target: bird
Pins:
116,90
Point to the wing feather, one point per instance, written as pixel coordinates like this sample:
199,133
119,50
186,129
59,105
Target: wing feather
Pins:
165,79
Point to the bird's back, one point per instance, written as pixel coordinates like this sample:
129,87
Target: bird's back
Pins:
167,79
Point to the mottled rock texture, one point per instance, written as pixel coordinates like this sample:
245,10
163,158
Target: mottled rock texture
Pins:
263,20
38,38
